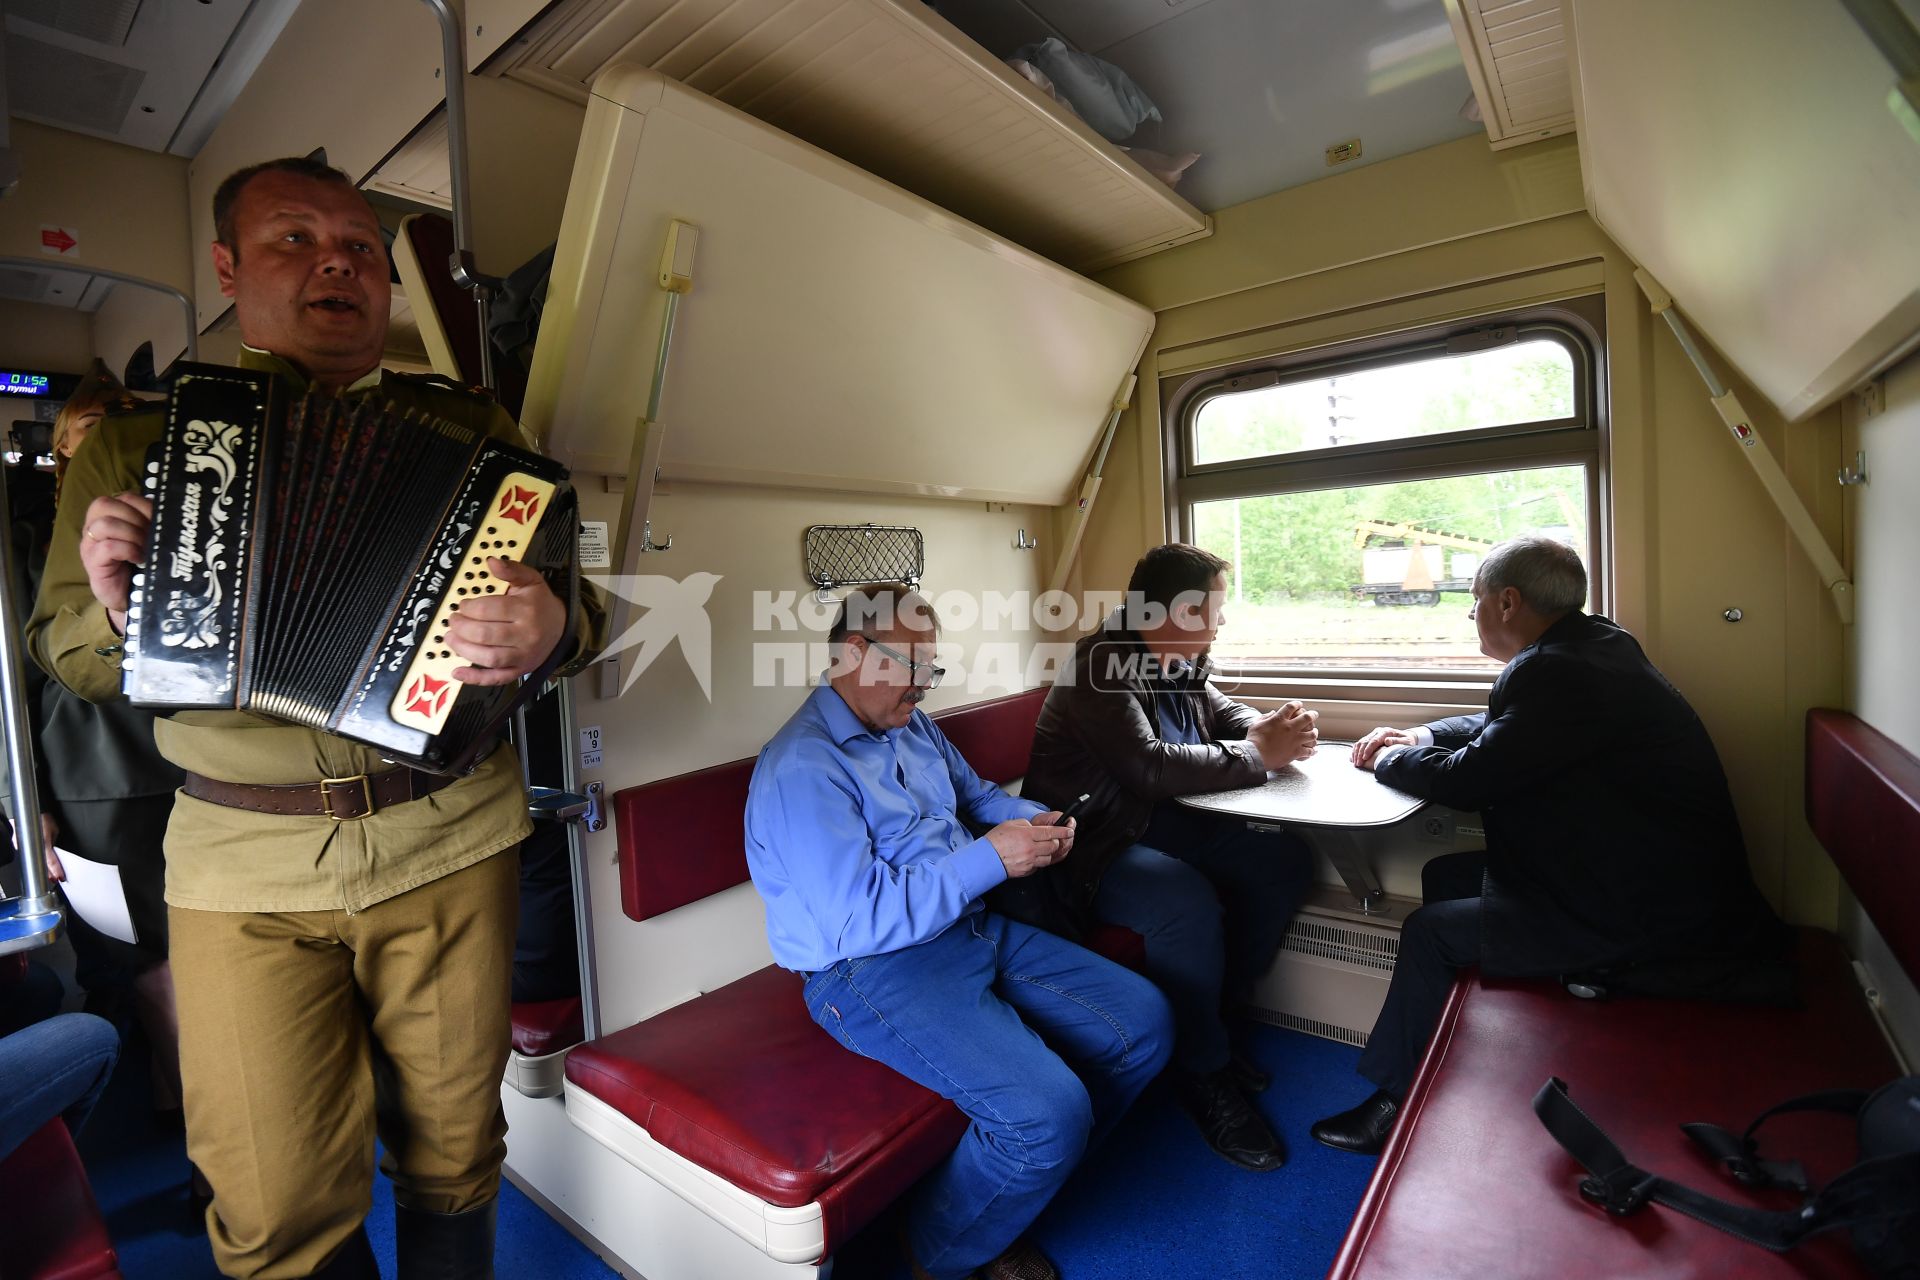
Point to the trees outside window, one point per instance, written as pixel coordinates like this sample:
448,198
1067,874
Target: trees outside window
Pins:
1355,492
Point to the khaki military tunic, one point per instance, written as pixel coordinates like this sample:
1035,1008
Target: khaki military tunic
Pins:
225,859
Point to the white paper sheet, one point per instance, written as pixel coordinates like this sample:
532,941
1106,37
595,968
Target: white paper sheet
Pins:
94,891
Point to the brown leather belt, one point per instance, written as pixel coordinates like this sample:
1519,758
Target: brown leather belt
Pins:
342,799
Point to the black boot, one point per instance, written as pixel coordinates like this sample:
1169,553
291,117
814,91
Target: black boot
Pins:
1228,1121
445,1246
1363,1130
351,1261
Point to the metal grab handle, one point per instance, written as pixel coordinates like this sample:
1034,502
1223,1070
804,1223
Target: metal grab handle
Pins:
32,919
453,56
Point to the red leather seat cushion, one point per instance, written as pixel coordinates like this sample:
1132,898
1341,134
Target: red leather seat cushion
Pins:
56,1232
682,839
741,1082
1863,801
1471,1185
1119,944
995,737
541,1027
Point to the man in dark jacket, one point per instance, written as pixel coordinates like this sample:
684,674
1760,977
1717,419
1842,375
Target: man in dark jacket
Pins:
1133,723
1613,851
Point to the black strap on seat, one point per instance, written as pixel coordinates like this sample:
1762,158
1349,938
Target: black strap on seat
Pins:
1856,1197
1740,1156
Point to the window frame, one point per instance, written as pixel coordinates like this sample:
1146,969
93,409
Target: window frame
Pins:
1577,324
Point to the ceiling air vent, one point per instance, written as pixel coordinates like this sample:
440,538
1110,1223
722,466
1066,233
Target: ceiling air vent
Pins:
20,285
107,21
1516,56
59,86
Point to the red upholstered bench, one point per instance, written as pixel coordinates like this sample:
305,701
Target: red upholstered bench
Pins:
56,1232
1471,1184
735,1099
543,1030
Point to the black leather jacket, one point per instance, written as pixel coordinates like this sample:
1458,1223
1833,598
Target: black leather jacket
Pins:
1099,734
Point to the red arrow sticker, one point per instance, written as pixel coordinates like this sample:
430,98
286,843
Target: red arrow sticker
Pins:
59,241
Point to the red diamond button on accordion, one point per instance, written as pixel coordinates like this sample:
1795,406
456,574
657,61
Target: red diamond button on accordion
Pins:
308,554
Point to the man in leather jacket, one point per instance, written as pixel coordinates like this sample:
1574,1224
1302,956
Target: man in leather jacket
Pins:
1133,723
1613,849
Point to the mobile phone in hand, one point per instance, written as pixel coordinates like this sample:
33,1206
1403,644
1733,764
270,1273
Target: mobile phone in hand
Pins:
1072,810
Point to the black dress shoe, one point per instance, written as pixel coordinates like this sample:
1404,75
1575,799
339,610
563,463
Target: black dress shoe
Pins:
1229,1123
1248,1077
1021,1260
1363,1130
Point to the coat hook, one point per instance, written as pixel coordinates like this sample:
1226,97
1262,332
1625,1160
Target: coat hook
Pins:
646,539
1857,473
1024,543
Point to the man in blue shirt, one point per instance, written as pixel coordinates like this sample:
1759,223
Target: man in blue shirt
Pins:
860,835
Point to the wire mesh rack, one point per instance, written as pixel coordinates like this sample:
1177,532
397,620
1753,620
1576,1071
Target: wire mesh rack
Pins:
841,555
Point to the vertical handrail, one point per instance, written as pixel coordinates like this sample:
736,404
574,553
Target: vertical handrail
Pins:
453,58
577,861
31,919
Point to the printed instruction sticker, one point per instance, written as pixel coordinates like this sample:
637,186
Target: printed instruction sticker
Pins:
595,551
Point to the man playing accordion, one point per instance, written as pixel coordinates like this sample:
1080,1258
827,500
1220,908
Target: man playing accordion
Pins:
335,921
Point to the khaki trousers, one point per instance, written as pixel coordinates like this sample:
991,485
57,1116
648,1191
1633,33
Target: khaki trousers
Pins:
287,1020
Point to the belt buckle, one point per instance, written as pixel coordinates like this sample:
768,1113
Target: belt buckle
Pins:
327,786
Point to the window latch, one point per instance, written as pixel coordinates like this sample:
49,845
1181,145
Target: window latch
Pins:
1482,339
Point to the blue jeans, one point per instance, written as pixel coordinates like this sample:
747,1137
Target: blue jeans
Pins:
1041,1043
1212,899
54,1068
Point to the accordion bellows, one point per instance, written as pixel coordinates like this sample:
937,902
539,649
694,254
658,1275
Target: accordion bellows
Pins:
308,554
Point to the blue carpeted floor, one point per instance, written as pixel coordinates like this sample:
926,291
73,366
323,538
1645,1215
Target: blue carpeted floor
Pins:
1153,1202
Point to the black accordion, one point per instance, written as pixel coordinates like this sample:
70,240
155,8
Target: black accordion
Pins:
308,553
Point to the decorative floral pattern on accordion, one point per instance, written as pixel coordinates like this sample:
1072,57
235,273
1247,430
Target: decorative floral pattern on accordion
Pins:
192,620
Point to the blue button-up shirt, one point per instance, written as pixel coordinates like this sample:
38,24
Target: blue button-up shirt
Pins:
858,840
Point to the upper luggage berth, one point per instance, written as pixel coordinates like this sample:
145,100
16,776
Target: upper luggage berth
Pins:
840,333
889,85
1761,159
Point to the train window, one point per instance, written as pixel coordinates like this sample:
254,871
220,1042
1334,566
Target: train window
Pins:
1514,383
1355,489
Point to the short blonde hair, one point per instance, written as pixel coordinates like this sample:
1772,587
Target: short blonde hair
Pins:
99,389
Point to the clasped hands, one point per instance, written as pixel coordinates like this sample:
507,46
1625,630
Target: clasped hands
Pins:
502,636
1368,749
1285,734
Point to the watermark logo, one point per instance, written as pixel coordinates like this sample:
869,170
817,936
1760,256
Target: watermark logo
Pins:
673,612
1017,640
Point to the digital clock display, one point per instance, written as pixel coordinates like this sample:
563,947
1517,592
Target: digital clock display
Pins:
24,384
